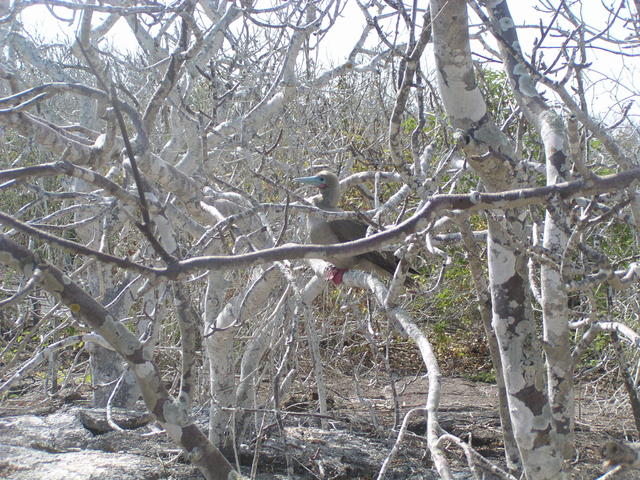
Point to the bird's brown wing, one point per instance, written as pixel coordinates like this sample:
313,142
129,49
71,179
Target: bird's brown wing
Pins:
350,230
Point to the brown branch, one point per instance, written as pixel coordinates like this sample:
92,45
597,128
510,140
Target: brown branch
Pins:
57,168
146,225
75,247
88,311
437,205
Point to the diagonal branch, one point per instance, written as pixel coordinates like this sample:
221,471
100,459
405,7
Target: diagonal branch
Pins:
464,204
146,226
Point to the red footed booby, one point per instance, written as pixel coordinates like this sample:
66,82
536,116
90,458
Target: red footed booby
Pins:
323,232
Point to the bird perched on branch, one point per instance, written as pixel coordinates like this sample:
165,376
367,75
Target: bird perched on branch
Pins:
323,232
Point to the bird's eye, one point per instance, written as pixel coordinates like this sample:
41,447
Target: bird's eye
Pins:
322,179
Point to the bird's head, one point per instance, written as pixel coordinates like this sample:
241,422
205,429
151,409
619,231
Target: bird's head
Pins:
322,180
328,184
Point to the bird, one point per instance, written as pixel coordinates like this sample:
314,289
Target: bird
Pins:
324,232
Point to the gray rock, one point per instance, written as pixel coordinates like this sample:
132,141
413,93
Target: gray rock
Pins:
28,463
57,446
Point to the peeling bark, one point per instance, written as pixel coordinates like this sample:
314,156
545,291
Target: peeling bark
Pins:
173,417
513,321
554,298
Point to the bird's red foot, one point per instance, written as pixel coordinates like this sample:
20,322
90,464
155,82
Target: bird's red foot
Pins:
335,274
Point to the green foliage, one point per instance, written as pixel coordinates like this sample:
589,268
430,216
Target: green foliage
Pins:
488,376
478,222
618,240
595,144
496,92
439,330
409,125
501,104
452,323
455,293
592,355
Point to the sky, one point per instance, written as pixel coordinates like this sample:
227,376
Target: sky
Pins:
343,36
604,65
607,98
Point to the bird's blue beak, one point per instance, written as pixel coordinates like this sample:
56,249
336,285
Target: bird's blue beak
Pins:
317,181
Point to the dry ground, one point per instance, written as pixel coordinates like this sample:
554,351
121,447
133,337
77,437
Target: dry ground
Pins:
363,421
469,410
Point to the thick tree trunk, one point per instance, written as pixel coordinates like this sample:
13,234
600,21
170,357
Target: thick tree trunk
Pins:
219,347
171,415
553,295
494,159
520,350
485,309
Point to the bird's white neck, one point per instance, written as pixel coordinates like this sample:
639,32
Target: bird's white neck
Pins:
329,199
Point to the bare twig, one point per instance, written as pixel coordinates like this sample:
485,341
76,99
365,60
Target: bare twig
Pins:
28,286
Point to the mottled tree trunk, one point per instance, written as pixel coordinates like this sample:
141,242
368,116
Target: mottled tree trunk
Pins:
493,157
219,347
553,295
514,325
555,315
486,314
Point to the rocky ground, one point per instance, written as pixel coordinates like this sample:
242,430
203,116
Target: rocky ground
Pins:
61,438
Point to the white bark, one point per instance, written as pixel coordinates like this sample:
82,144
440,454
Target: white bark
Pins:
219,339
554,299
513,320
173,417
221,111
